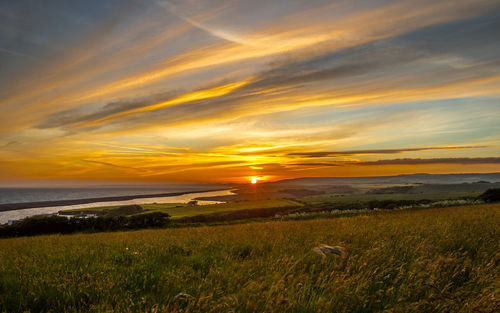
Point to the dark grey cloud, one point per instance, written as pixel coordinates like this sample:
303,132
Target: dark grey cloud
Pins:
406,161
492,160
78,115
324,154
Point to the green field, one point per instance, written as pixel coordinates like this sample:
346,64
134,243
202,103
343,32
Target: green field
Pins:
103,209
148,206
360,198
176,210
434,260
225,207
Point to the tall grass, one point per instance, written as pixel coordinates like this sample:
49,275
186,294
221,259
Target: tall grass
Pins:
436,260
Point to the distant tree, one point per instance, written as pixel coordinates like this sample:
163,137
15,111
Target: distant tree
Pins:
39,225
490,195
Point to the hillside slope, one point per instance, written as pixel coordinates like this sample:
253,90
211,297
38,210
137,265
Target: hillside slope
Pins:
436,260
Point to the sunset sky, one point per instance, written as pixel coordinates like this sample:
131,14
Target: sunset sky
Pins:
158,91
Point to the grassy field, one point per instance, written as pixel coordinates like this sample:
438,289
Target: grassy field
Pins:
147,206
104,210
435,260
336,198
224,207
176,210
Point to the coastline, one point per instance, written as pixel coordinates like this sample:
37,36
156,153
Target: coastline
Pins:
53,203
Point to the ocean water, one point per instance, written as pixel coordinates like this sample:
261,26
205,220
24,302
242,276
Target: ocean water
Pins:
22,195
7,216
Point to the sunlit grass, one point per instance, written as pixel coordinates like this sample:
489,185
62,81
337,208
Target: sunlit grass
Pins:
435,260
225,207
176,210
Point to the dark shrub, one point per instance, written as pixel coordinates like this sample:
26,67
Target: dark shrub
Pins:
155,219
393,204
490,195
39,225
44,225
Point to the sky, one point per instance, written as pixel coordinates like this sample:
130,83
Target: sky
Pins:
157,91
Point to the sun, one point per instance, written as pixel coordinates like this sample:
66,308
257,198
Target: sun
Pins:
256,179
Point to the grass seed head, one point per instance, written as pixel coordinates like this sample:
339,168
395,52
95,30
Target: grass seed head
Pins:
183,296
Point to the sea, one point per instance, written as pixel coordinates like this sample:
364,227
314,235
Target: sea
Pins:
24,195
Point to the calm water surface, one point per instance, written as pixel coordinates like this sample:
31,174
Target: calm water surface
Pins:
20,214
22,195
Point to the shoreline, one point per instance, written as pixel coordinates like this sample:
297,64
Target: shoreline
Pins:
54,203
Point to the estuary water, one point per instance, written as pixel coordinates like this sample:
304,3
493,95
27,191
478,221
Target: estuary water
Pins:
7,216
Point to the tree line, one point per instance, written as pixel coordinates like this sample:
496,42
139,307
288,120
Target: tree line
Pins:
54,224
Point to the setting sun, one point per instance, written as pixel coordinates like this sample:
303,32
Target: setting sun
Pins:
254,179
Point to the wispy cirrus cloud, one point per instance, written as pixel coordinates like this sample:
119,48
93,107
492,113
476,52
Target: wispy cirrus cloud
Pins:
182,88
349,76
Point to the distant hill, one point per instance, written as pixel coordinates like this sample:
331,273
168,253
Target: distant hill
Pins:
399,179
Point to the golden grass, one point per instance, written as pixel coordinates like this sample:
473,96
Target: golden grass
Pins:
436,260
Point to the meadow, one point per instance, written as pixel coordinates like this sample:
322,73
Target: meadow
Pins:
363,198
186,210
177,210
433,260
